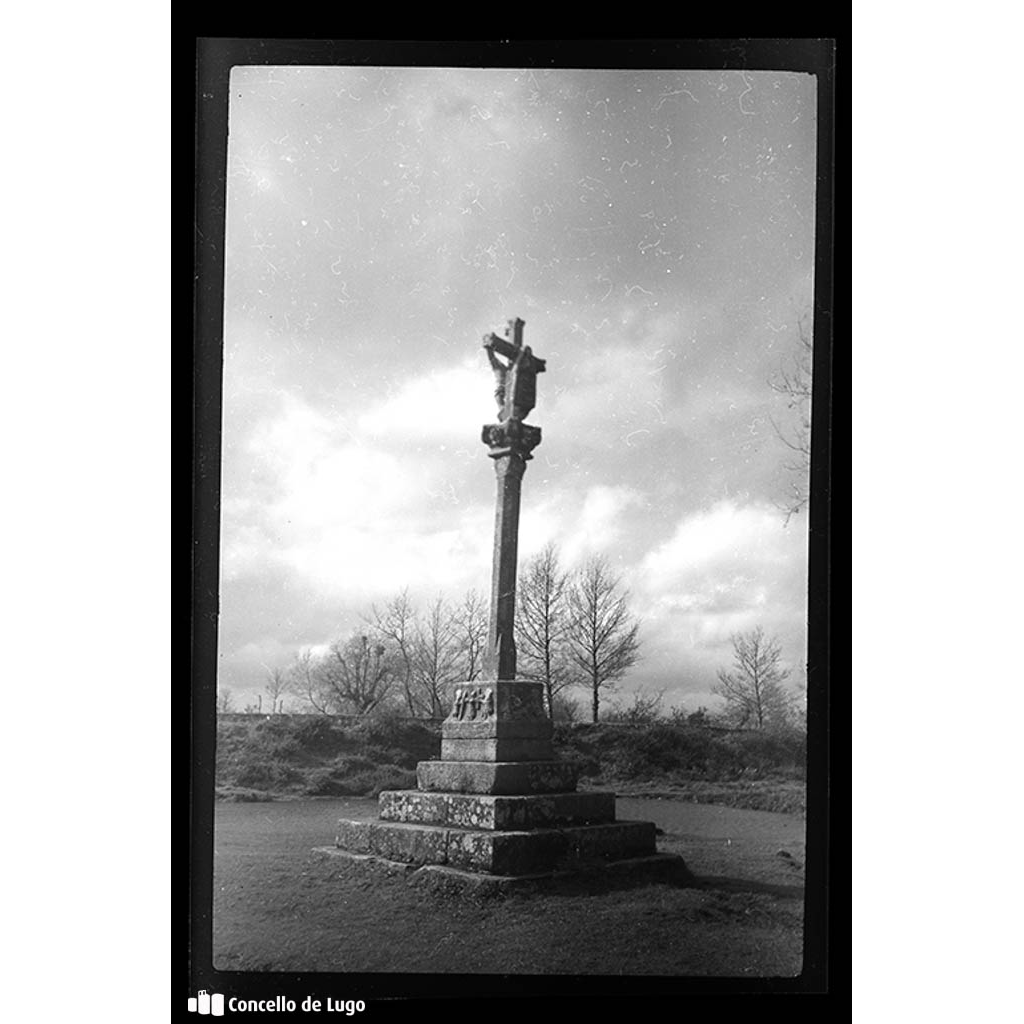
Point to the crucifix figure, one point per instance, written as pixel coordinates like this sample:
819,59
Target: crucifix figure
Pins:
516,379
511,442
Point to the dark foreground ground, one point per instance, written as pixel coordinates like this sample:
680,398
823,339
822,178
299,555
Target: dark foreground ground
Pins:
279,908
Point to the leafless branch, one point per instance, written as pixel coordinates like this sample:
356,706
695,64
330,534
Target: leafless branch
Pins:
603,636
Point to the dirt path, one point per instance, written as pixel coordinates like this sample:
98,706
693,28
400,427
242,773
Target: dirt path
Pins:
707,821
278,908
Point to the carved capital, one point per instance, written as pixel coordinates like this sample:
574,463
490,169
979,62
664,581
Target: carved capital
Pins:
511,437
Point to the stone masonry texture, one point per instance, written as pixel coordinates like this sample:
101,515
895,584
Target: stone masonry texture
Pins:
464,810
496,777
500,853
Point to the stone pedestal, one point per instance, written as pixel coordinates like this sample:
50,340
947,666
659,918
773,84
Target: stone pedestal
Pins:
498,803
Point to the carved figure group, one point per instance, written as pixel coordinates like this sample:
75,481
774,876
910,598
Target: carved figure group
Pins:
473,704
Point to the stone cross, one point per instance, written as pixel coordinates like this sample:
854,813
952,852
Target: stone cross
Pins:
511,442
498,802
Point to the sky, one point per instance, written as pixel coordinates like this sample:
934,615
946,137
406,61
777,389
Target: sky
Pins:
654,230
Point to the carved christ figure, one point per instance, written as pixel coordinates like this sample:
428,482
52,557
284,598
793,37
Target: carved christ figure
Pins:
516,379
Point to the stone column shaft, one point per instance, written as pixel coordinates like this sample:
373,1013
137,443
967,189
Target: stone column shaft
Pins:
500,659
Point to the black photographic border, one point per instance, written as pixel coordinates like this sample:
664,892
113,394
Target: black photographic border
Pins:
213,60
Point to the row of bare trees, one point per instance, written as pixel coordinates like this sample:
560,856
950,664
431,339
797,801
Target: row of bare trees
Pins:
402,658
573,629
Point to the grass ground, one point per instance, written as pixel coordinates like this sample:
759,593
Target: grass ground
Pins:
279,908
781,794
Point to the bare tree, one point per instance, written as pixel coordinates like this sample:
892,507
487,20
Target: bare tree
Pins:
793,381
354,675
395,623
277,685
225,702
471,634
541,625
603,636
304,680
435,657
753,691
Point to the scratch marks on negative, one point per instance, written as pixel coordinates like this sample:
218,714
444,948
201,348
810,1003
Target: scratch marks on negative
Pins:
391,108
749,88
675,92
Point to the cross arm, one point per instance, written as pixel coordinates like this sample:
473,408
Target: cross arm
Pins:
501,345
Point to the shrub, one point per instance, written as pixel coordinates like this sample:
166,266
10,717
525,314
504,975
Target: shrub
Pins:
321,782
415,740
358,775
645,710
649,752
366,782
759,752
401,756
242,796
272,739
321,736
565,709
698,719
587,765
265,775
586,736
646,752
349,764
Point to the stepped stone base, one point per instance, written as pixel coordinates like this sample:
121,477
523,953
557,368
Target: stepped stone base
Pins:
499,853
497,777
658,867
468,810
497,748
497,804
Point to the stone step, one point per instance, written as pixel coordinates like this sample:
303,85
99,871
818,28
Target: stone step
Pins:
467,810
497,748
498,853
496,777
599,876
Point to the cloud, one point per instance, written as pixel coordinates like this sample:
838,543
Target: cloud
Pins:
610,392
724,570
447,405
349,517
579,525
600,522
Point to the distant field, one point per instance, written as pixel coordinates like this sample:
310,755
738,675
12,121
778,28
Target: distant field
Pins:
278,908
